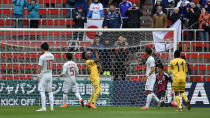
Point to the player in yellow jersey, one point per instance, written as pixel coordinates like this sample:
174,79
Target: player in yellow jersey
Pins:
178,68
94,76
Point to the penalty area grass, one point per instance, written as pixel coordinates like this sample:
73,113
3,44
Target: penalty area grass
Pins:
101,112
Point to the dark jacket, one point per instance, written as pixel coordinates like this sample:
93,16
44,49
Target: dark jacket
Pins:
112,19
193,18
134,18
84,6
174,17
183,11
79,21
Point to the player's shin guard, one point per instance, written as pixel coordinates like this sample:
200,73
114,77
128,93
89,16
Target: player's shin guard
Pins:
65,98
78,96
178,101
184,97
43,99
149,99
51,99
97,91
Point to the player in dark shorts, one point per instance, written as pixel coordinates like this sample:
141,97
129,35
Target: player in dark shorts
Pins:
162,80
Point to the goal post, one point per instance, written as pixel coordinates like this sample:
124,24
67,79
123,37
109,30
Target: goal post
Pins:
119,52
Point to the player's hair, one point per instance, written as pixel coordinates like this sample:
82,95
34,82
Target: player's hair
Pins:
69,56
83,55
148,50
112,5
45,46
177,54
160,66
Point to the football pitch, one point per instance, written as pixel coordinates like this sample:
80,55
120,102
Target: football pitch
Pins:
102,112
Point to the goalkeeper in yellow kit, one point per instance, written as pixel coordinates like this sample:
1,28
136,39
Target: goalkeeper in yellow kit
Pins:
178,68
94,76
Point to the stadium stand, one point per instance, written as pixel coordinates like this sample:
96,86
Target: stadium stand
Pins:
18,64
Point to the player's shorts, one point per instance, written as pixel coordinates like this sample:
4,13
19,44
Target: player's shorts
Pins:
161,95
45,83
67,85
150,83
95,82
178,86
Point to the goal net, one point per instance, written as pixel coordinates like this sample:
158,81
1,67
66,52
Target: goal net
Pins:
120,52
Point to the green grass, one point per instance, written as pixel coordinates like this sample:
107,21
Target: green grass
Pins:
102,112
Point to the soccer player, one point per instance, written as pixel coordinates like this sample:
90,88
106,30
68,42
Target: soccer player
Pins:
150,79
94,76
162,80
178,68
44,77
70,70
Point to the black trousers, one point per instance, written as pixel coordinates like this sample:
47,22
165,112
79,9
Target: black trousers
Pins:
34,23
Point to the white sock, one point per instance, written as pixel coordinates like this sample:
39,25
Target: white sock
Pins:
155,97
43,100
51,99
78,96
149,99
65,99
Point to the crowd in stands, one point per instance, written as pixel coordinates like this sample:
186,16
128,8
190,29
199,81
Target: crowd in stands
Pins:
194,14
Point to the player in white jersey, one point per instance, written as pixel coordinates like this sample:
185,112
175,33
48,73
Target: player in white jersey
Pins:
70,70
96,10
44,78
150,79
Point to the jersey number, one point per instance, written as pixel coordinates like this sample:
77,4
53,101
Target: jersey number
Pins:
49,64
72,71
177,64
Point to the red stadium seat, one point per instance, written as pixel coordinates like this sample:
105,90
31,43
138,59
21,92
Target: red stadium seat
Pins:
16,77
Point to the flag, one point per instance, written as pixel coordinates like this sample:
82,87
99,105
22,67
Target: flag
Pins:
161,39
96,24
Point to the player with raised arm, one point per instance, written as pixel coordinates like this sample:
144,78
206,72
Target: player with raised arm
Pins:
94,76
178,68
44,76
150,79
70,70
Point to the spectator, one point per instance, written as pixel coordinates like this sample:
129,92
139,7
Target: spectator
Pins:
158,3
183,11
124,6
79,19
18,12
193,14
33,8
204,18
121,58
203,3
164,3
134,15
70,4
97,43
159,19
110,2
96,10
107,57
112,18
175,16
84,6
184,2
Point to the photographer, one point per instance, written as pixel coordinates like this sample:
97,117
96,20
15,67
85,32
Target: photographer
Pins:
33,8
134,15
